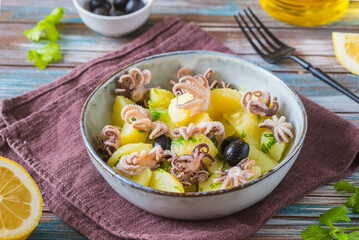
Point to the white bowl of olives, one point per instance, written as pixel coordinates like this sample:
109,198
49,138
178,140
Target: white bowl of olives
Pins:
113,18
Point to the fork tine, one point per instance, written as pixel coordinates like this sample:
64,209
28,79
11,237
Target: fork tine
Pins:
260,31
253,34
247,36
274,38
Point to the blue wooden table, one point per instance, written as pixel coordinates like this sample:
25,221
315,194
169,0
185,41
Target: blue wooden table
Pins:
79,45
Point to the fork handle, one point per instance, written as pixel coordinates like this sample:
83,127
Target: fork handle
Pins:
324,77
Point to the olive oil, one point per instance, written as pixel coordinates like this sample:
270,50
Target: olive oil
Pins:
305,12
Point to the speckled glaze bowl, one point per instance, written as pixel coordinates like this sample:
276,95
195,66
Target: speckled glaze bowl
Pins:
200,205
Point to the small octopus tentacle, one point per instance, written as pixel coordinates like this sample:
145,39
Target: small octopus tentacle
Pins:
191,169
158,128
131,85
146,159
280,128
219,84
197,86
184,71
208,128
258,102
236,175
110,138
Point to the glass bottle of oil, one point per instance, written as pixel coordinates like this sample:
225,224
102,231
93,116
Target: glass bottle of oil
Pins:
305,12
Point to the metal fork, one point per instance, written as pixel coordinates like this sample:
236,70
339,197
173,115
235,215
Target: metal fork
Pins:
273,50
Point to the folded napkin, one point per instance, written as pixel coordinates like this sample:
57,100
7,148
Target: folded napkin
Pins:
40,130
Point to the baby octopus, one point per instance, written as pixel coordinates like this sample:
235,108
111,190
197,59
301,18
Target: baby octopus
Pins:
191,169
258,102
280,128
141,119
152,159
131,85
236,175
210,129
197,86
110,138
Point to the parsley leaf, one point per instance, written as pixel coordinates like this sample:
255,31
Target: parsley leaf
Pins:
155,114
176,187
258,118
315,232
353,201
243,134
46,27
265,148
344,185
44,55
333,215
166,166
141,131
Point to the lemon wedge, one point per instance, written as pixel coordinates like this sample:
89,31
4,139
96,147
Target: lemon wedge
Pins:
346,47
20,201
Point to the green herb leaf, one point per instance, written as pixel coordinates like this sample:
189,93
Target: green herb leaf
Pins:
333,215
155,114
214,140
258,118
166,166
133,119
179,141
219,157
55,16
141,131
243,134
353,235
213,185
200,189
344,185
155,90
265,148
224,164
271,142
192,139
341,236
267,135
315,232
46,28
45,55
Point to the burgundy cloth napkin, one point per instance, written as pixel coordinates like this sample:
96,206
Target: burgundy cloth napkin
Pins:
40,130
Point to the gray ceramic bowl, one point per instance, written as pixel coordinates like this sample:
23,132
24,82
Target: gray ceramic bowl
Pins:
200,205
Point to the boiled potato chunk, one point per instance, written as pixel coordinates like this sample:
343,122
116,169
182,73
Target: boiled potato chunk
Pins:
270,146
142,178
228,128
209,185
132,135
120,102
246,125
200,117
224,100
165,181
181,146
160,98
163,116
262,160
179,116
128,149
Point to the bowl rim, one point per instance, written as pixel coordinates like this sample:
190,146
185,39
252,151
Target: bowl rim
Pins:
126,16
292,153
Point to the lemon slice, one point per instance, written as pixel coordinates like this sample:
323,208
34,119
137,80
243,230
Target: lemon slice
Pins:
346,47
20,201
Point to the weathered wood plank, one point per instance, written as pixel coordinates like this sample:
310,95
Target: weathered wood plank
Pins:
70,58
78,37
211,12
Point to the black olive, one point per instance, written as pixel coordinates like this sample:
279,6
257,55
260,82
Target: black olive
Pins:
133,6
100,11
117,13
94,4
227,141
235,152
120,4
163,141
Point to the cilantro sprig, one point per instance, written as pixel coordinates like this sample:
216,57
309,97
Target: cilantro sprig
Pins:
333,215
45,29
